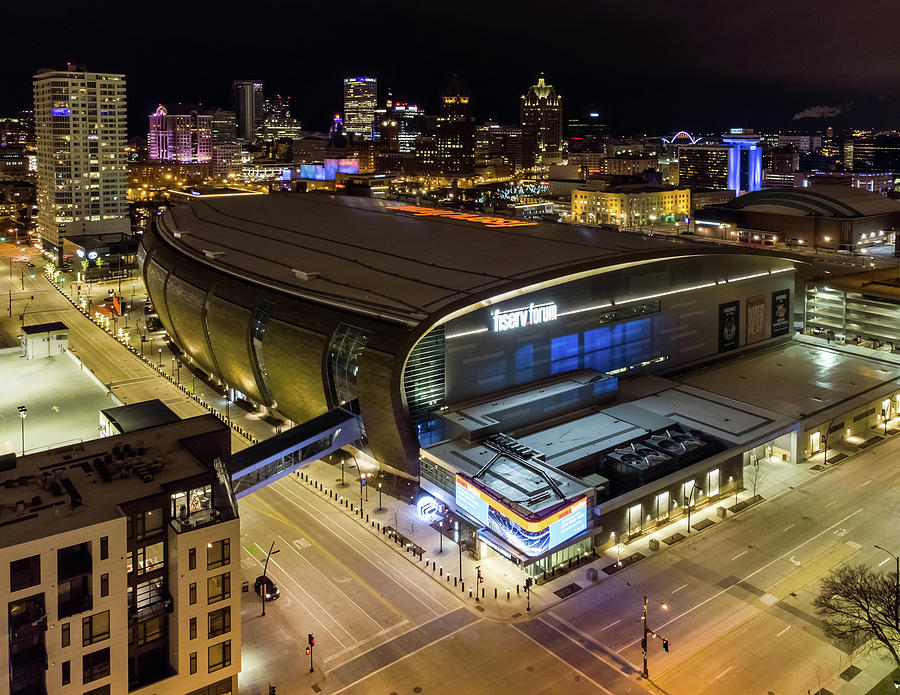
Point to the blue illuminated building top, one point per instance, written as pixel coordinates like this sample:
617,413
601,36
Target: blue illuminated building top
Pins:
744,171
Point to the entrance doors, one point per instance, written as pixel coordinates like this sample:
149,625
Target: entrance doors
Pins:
634,519
712,482
815,442
662,506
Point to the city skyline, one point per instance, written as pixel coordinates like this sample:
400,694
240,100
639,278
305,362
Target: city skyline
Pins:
759,78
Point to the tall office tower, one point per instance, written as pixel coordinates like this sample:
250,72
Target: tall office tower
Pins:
360,97
541,108
454,132
80,122
397,125
126,579
180,137
277,121
247,100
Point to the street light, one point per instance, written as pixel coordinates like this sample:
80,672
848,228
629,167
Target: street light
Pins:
160,357
896,584
651,633
690,503
379,497
23,412
262,593
362,483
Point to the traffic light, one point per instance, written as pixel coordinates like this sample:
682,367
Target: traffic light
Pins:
271,690
528,582
665,645
307,651
480,578
311,640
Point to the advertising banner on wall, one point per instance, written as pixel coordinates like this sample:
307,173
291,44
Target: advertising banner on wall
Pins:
756,318
531,537
781,312
729,325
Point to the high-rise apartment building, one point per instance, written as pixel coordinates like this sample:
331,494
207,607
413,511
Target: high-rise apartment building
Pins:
247,101
121,570
277,121
360,97
541,108
226,150
81,130
180,137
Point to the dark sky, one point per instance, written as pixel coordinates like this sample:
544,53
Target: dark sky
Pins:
654,66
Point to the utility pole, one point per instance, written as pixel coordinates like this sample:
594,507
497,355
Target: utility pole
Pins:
650,633
265,587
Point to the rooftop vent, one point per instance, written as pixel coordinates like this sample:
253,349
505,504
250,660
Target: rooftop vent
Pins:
304,275
213,254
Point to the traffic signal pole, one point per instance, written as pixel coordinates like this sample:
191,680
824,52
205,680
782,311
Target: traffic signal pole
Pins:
311,641
649,633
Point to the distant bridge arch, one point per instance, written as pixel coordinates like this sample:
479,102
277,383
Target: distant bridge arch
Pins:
682,134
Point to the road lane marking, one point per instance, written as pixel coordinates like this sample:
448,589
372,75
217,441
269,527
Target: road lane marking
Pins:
830,503
409,654
886,560
723,673
749,576
674,591
739,555
275,514
866,483
565,663
783,631
316,570
613,623
788,527
603,649
302,604
378,634
392,575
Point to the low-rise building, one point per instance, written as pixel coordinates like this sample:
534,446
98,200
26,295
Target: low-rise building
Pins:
121,559
631,205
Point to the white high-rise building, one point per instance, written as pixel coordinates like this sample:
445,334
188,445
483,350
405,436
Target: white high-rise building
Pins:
360,95
80,124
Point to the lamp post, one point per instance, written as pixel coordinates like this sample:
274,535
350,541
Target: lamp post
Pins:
441,535
23,412
690,503
650,633
272,552
896,584
379,497
160,357
362,483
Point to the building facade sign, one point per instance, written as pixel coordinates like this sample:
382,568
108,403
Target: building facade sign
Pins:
729,325
756,319
781,311
533,538
530,315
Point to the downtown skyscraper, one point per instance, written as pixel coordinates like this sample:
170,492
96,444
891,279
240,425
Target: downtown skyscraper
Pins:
541,109
248,101
360,97
81,129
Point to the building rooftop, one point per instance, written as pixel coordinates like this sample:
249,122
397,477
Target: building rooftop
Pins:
816,201
400,262
139,416
45,327
63,489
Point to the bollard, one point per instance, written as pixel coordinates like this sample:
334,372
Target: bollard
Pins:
378,525
448,578
507,593
433,566
367,518
454,580
517,589
351,506
441,574
470,592
482,592
495,592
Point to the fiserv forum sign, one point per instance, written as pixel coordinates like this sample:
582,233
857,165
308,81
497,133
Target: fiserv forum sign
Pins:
531,315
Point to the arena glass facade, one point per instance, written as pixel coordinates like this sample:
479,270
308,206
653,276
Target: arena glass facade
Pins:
619,305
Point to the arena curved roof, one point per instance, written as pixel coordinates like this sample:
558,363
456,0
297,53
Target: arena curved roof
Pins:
399,262
817,201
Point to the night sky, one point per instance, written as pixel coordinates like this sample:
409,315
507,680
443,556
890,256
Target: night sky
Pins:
646,66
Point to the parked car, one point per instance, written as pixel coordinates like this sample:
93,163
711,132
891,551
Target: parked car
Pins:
272,591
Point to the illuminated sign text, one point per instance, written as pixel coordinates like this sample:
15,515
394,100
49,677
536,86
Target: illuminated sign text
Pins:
462,216
530,315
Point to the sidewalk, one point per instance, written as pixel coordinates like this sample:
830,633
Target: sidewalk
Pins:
157,354
443,566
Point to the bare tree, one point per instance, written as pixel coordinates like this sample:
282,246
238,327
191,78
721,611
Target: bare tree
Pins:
756,476
860,608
